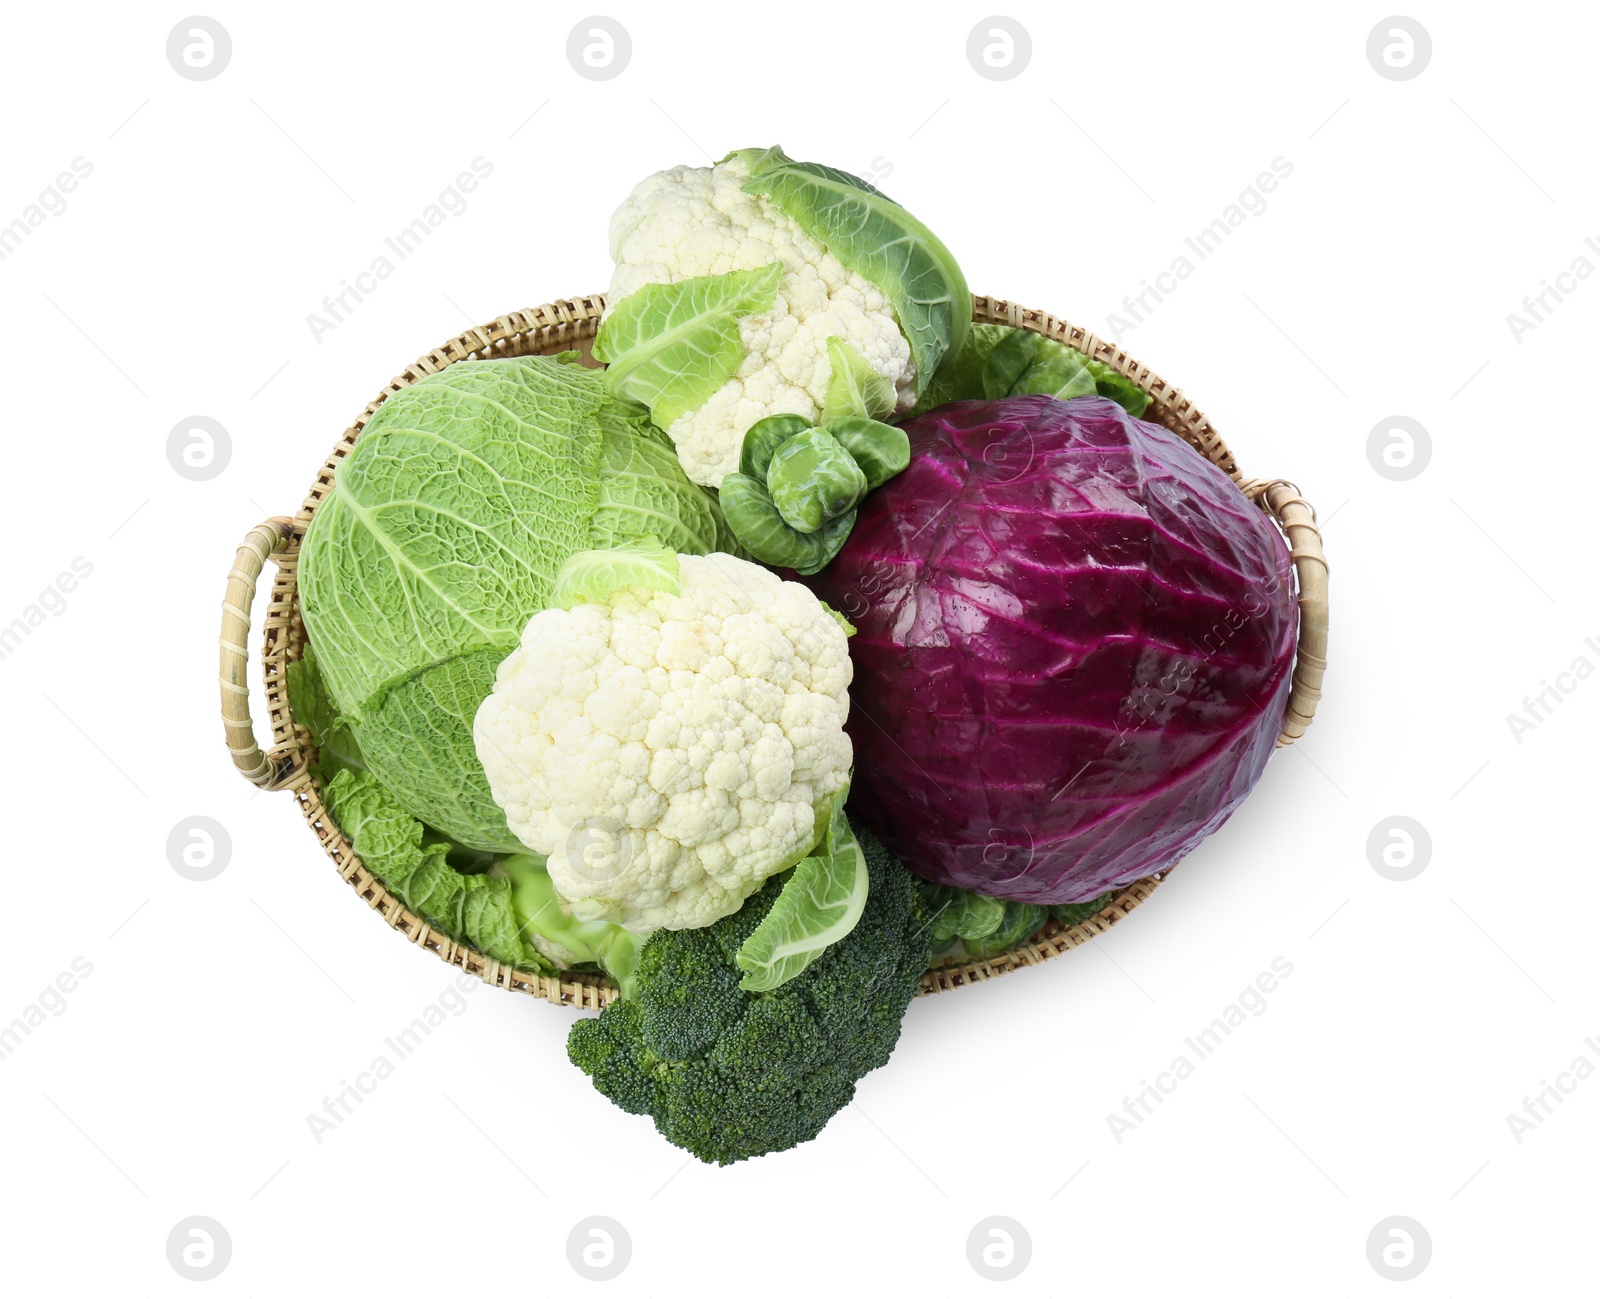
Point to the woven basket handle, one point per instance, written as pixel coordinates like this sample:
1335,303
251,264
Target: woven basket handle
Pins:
1299,522
268,770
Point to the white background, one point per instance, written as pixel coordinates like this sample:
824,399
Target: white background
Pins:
178,282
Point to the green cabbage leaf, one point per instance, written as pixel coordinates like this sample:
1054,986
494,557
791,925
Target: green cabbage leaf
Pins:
821,902
506,907
874,236
996,361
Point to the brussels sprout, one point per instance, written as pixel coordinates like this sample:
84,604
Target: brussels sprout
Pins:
1021,921
793,501
764,437
956,913
754,519
813,480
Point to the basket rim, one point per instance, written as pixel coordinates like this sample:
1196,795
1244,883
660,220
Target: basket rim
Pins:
570,324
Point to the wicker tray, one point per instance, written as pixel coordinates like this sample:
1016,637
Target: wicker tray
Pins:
562,326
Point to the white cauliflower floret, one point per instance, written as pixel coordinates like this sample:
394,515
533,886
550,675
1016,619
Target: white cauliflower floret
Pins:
668,753
692,221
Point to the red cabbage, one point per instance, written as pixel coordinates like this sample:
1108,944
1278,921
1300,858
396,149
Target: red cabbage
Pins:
1073,648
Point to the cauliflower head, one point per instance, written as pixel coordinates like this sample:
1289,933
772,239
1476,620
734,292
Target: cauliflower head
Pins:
668,752
687,222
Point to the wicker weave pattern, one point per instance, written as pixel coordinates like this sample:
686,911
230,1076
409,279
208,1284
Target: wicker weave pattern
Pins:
571,324
266,539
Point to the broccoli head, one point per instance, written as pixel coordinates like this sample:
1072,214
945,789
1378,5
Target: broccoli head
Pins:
728,1074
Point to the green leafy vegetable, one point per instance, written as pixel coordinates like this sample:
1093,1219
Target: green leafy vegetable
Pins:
820,904
881,450
560,937
643,490
969,926
1075,913
443,535
598,574
1025,364
311,704
728,1074
509,913
960,378
1011,358
854,387
763,438
417,738
464,494
1021,922
390,842
1117,386
670,346
1057,372
998,361
958,913
755,520
792,503
877,238
813,480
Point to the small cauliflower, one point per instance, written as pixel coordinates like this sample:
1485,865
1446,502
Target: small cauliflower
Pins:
698,221
767,260
673,737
